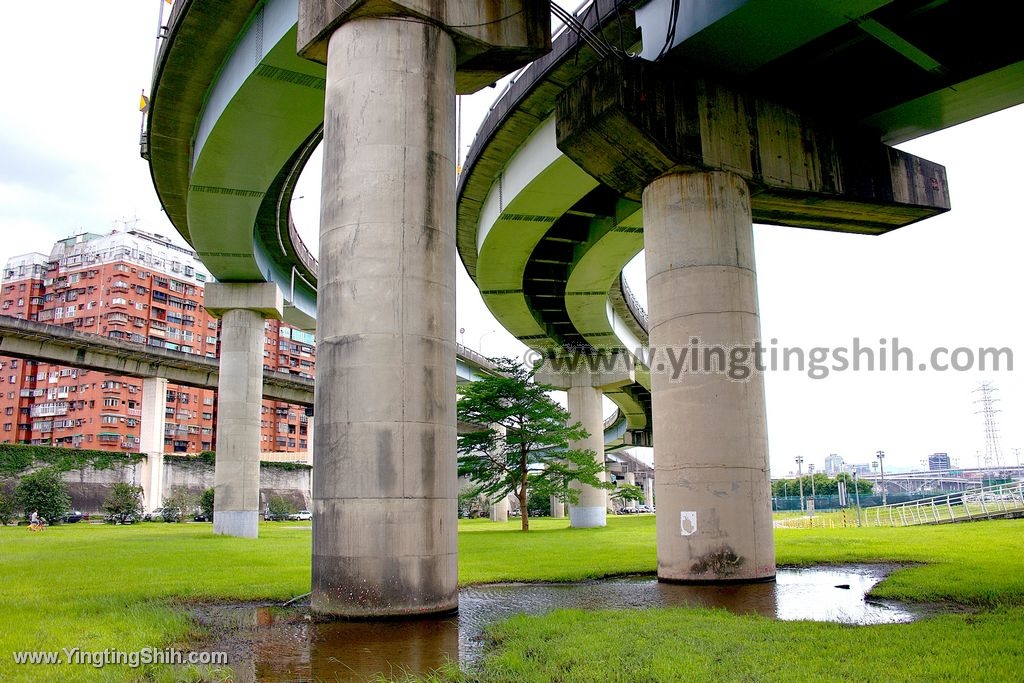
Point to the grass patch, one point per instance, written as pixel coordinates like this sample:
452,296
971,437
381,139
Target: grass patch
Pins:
713,645
100,586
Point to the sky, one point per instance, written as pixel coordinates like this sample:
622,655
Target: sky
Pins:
69,162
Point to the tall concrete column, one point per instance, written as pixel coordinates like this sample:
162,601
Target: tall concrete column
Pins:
499,510
712,483
585,406
242,308
385,490
557,508
648,492
151,439
384,494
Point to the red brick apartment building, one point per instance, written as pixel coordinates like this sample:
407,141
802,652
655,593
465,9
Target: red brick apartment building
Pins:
140,288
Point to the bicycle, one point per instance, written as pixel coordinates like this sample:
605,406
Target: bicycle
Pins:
37,525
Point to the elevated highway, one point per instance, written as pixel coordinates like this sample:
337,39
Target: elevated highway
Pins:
739,111
54,344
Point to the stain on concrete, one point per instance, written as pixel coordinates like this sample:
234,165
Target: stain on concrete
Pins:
721,562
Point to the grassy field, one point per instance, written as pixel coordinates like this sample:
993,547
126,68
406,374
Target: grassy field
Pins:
977,566
98,587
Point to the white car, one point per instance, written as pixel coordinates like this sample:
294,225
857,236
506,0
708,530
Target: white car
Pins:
302,515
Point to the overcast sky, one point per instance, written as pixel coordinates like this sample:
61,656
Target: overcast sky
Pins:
69,161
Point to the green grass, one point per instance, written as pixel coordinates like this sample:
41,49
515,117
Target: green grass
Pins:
98,587
714,645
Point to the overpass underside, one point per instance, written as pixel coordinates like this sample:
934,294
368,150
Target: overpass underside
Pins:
753,110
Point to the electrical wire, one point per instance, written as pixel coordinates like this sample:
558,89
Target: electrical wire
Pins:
595,40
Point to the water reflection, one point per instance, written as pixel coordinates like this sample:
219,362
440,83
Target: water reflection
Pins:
286,645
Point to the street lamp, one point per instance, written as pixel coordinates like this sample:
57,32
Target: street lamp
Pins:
881,472
856,491
814,502
800,473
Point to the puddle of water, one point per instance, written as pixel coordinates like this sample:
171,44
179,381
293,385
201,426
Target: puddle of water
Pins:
270,644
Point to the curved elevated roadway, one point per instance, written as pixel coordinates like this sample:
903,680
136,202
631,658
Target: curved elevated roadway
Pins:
751,110
235,113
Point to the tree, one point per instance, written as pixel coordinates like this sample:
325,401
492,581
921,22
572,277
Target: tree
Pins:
44,492
280,508
123,502
206,504
522,444
628,493
8,511
177,504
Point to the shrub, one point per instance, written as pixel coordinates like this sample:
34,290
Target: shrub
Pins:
177,504
46,493
123,502
280,508
206,503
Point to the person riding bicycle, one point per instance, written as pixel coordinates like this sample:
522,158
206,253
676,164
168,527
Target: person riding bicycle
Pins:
35,522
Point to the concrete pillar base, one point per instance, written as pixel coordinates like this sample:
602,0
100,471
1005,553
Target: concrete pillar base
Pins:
242,307
557,508
587,517
385,484
499,510
712,485
242,523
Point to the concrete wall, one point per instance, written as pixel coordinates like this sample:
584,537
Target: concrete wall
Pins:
89,487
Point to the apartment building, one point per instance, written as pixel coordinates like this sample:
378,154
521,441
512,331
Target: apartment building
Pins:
140,288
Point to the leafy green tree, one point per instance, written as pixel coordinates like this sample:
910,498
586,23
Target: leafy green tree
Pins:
46,493
123,502
628,493
177,504
522,445
471,504
280,508
8,511
206,504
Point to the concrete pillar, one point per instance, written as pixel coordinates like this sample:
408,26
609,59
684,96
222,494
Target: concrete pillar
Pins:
585,406
712,484
631,478
649,491
242,308
557,508
384,494
151,439
499,510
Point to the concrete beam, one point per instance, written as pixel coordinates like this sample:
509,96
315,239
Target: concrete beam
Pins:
629,123
264,298
600,370
59,345
492,37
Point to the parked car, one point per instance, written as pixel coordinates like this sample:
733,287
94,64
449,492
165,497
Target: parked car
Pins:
200,517
74,516
301,515
154,516
125,518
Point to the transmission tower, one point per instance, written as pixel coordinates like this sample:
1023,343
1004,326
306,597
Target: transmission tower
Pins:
993,452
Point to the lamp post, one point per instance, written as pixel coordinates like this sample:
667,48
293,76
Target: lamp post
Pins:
881,472
800,474
814,502
856,491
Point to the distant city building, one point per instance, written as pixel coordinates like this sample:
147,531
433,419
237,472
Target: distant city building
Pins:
833,465
861,468
141,288
938,461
